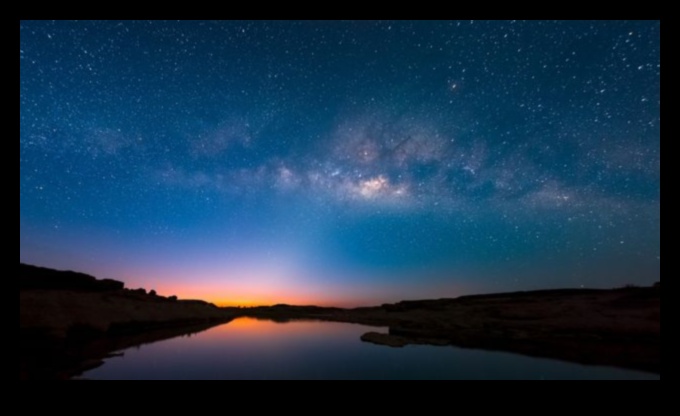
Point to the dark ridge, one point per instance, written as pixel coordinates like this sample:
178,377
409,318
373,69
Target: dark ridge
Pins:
41,278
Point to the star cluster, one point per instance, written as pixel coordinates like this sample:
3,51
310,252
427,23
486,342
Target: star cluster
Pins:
342,162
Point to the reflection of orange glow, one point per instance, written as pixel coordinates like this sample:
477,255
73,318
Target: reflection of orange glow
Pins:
255,333
242,324
266,328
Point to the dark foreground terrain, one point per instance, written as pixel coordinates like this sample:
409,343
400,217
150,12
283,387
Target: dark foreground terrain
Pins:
70,321
617,327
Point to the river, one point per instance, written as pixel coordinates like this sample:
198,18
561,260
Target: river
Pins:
248,348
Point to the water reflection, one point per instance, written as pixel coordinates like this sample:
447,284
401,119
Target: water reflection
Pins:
247,348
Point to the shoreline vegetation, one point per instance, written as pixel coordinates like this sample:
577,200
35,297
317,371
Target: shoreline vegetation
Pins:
70,322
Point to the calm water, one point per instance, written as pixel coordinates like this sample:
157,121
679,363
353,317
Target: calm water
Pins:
252,349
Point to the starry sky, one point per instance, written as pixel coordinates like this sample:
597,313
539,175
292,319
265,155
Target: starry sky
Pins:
341,163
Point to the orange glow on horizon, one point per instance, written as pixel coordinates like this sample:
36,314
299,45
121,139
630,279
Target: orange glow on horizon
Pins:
247,297
262,291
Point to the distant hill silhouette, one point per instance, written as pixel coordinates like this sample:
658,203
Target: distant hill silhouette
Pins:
33,277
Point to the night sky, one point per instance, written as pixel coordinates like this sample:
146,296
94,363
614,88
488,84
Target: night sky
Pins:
346,163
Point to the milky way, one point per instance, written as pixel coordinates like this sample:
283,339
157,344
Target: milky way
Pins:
342,162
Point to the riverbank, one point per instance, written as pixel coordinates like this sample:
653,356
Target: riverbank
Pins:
70,322
615,327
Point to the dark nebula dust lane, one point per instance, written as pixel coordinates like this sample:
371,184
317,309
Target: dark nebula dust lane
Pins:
342,163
